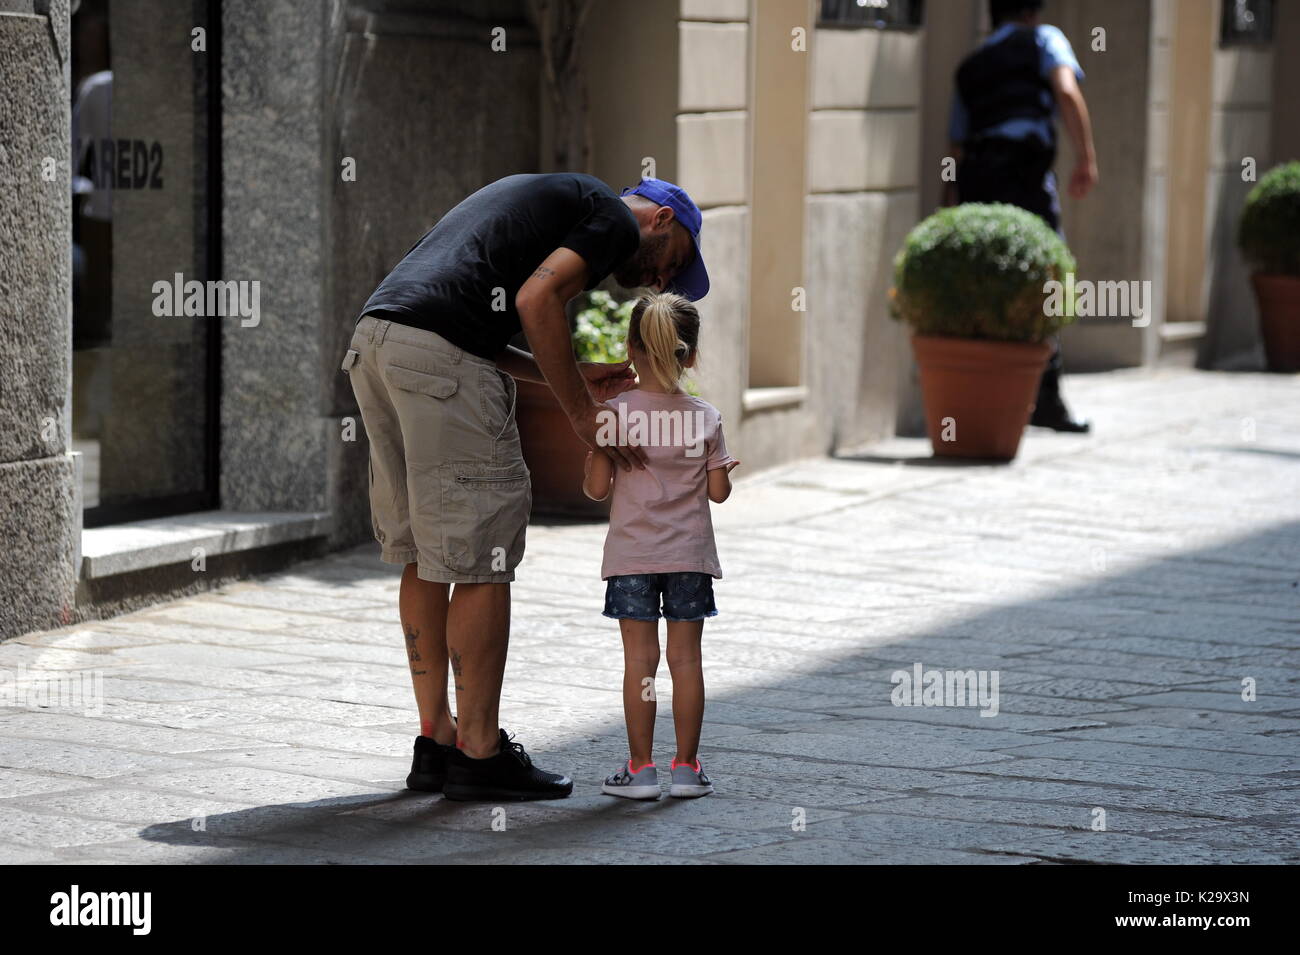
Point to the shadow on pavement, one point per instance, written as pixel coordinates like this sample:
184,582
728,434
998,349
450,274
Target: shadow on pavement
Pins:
1100,682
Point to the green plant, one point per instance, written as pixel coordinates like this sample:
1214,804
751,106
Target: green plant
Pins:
600,328
1269,230
981,271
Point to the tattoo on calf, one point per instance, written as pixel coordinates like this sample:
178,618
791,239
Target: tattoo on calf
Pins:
543,272
412,634
455,668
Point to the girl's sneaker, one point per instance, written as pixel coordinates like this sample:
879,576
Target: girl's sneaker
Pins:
642,784
689,781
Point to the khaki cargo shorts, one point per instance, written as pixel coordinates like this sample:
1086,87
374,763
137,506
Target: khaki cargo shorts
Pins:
449,489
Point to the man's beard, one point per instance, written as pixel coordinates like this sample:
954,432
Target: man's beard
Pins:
639,270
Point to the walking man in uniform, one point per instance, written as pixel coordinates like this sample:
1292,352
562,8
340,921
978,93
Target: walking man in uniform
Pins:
434,380
1003,133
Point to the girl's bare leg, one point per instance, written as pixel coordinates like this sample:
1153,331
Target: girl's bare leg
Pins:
688,685
640,664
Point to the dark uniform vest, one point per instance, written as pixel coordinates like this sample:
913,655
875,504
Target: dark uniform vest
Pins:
1002,81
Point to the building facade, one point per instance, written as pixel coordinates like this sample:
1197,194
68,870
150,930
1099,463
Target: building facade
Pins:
162,432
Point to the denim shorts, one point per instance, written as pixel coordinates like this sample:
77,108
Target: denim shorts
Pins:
685,596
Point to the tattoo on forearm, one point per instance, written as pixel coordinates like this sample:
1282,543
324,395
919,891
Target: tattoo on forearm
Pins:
455,668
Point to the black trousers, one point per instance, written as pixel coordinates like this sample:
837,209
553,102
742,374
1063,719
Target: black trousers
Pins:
1011,171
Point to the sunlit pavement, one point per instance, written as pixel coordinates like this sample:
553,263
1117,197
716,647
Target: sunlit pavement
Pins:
1133,593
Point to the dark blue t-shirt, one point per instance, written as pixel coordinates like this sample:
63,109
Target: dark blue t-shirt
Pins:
494,240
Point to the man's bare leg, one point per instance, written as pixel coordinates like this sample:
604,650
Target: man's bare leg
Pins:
478,637
422,605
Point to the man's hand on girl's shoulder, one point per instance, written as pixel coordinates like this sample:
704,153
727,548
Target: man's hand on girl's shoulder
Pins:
607,379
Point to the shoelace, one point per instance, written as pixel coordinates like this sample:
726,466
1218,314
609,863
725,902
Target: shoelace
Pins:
518,750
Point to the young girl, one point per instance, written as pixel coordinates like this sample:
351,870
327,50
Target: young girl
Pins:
659,553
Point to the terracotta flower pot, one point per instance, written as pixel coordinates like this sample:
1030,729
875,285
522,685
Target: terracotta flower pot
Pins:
978,395
1279,319
554,455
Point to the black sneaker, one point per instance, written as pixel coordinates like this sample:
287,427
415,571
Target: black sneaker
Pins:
509,775
429,767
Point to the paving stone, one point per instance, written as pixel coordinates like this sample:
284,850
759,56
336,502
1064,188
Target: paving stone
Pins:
214,681
62,758
813,851
317,602
104,732
18,655
199,715
213,611
44,830
214,657
15,782
1223,805
155,691
878,828
1057,815
272,706
1222,741
87,639
165,631
1225,697
138,807
229,852
348,739
1177,757
1132,774
249,785
383,772
886,751
25,855
1120,848
964,716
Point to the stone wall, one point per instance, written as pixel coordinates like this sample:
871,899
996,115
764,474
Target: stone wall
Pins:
40,506
414,96
864,185
1241,125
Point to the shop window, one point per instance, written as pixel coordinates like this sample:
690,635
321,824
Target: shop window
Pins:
877,14
1246,23
144,207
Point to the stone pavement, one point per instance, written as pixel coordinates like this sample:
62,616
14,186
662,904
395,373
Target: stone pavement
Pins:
1124,588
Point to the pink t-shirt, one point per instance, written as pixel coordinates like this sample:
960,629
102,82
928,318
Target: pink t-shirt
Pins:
659,519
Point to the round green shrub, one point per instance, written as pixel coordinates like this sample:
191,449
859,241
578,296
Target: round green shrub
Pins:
1269,231
978,270
600,328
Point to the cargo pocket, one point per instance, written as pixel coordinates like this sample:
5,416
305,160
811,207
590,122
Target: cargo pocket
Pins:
484,517
350,359
420,382
497,396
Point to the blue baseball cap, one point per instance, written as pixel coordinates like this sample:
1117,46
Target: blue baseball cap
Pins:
693,282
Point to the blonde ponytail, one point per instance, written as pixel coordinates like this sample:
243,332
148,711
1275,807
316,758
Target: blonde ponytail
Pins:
667,328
